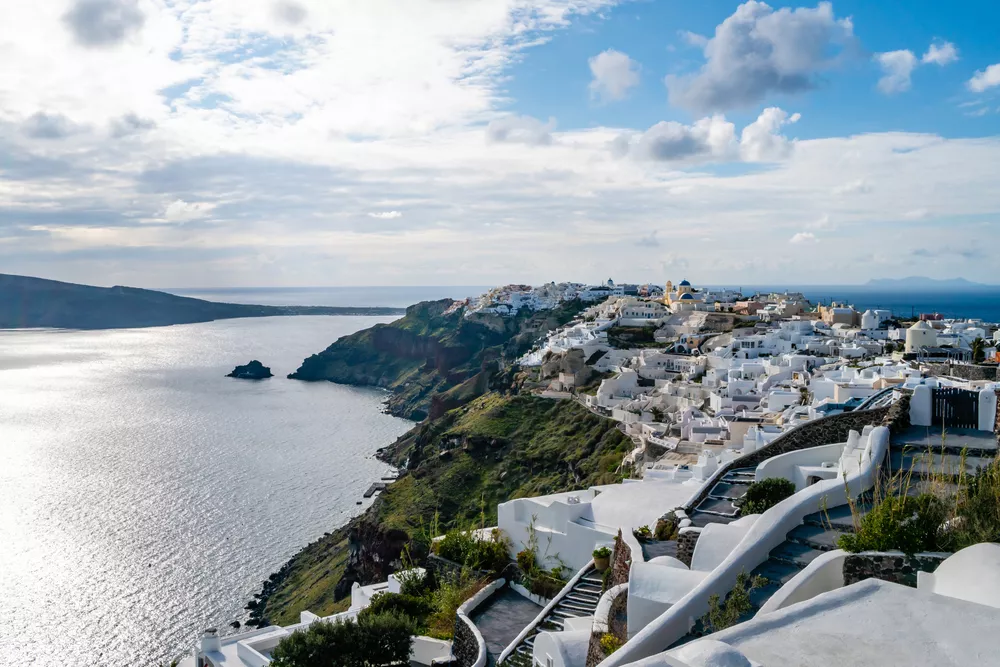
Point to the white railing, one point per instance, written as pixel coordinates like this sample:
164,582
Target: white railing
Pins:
546,611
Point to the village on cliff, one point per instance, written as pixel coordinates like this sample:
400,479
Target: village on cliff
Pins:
808,485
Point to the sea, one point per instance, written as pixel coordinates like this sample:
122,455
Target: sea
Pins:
146,496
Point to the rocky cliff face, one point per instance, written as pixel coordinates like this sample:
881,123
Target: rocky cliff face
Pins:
434,358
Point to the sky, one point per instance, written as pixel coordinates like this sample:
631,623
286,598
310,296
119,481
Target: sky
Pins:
229,143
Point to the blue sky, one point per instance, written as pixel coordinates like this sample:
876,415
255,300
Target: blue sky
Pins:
219,143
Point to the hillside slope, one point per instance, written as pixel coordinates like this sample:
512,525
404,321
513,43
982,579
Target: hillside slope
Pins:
434,358
496,448
27,302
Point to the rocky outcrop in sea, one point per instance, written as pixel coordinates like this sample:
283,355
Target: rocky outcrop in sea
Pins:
252,371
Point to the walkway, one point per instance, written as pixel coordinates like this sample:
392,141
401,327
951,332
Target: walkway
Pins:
503,618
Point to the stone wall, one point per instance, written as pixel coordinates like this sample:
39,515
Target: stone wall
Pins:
970,372
890,566
996,424
465,647
822,431
621,561
686,541
616,624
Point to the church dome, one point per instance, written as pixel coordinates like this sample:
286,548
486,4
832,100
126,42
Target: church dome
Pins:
685,283
687,297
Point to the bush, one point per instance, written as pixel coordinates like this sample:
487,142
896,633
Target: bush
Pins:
416,607
602,552
978,511
610,643
765,494
737,604
448,598
372,641
667,527
546,584
526,560
465,548
900,523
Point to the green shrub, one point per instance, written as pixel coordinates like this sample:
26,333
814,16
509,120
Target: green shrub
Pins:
610,643
372,641
602,552
526,560
667,527
765,494
449,596
900,523
465,548
978,511
737,604
416,607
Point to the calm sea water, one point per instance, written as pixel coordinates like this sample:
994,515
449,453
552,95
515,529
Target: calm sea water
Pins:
146,496
389,297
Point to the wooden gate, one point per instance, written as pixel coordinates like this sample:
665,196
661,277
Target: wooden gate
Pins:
957,408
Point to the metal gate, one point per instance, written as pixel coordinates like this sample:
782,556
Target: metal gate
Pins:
957,408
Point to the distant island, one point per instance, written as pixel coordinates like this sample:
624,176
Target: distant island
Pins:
252,371
29,303
924,283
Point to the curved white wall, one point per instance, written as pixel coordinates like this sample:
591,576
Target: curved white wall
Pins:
824,574
767,533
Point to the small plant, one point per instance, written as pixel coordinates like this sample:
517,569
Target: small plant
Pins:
667,527
448,598
602,552
900,523
737,604
643,534
765,494
466,548
610,643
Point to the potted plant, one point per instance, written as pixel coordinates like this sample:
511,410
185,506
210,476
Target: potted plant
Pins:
643,534
602,558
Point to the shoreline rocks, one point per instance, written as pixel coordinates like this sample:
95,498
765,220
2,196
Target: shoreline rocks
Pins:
252,371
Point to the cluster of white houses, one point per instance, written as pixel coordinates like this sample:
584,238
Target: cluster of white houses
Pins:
695,408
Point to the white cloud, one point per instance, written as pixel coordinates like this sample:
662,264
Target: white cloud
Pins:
758,51
985,79
821,223
182,211
897,66
940,54
761,140
857,186
614,75
386,215
516,129
803,238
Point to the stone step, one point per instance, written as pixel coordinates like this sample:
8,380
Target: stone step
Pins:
776,572
530,641
575,606
794,553
717,506
816,537
551,625
594,589
561,613
700,519
593,579
729,490
584,598
759,596
947,467
839,518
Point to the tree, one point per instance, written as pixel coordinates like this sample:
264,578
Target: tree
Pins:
979,350
375,640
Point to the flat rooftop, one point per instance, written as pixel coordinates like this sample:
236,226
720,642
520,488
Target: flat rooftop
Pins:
871,623
958,438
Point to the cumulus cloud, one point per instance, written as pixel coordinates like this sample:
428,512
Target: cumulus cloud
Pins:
761,140
940,54
711,138
670,140
758,51
897,66
614,75
98,23
516,129
985,79
803,238
42,125
290,12
130,124
182,211
385,215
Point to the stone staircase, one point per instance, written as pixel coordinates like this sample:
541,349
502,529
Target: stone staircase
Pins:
579,602
719,505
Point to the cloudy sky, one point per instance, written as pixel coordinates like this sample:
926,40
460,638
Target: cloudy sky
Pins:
389,142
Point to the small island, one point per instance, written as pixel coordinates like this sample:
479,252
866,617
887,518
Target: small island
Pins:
252,371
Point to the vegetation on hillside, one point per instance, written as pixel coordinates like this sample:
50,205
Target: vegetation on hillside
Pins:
458,468
434,358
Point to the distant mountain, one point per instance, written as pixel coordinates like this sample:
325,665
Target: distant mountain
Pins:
35,302
919,282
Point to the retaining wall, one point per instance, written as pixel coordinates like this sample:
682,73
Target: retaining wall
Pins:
896,567
971,372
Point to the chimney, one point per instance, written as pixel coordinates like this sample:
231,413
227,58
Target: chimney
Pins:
210,641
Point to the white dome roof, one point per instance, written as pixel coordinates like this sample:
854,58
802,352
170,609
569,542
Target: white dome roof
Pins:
922,325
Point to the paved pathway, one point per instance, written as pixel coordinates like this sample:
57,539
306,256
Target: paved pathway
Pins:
503,619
